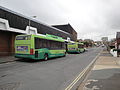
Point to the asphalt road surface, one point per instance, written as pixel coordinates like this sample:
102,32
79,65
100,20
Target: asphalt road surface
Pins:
54,74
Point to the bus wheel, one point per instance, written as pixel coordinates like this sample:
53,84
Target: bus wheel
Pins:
46,57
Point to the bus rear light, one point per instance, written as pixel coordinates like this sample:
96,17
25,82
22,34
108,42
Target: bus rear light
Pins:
31,51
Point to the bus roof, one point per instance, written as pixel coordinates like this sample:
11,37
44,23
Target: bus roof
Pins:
48,37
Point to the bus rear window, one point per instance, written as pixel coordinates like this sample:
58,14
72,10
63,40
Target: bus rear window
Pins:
23,38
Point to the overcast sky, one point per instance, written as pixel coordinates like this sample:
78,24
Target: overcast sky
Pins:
90,18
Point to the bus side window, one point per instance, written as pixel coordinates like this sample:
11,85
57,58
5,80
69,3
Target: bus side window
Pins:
43,43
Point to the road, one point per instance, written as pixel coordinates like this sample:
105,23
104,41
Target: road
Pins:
54,74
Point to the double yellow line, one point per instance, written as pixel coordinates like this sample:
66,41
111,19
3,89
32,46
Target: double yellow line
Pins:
82,73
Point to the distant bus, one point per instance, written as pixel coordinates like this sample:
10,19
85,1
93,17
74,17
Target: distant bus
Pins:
39,46
75,47
81,47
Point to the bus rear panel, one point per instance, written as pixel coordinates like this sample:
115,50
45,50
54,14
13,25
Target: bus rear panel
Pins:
23,47
75,47
72,48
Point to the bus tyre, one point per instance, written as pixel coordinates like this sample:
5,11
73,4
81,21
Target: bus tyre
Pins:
45,57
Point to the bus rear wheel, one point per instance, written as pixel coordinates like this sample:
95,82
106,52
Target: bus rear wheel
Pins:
46,57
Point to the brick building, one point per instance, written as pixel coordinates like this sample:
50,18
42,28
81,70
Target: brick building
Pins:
12,24
68,28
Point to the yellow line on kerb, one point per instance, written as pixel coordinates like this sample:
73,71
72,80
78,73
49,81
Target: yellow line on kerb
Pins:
81,74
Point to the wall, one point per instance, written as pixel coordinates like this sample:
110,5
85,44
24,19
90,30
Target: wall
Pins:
7,43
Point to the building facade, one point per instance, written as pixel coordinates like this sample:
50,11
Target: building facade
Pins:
68,28
7,43
12,24
104,39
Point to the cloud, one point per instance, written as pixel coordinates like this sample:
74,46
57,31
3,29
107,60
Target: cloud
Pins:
90,18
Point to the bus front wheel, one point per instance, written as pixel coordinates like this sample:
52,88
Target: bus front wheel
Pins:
46,57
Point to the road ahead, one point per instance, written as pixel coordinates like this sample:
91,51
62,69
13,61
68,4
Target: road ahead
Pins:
54,74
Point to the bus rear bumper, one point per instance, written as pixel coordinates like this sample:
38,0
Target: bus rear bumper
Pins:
72,51
25,56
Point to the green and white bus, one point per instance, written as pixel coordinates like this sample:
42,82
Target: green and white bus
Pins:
81,47
39,46
75,47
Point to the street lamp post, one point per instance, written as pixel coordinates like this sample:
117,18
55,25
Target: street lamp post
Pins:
30,21
29,24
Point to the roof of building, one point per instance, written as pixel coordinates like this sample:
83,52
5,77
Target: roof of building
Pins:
65,27
29,18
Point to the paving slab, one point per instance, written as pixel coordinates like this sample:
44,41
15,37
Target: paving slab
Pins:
105,75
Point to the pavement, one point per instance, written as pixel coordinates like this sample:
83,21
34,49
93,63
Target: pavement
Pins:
105,75
7,59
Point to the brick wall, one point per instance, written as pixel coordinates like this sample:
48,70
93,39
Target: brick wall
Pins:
6,43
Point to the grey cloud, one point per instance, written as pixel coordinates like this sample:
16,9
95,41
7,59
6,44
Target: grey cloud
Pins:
86,16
